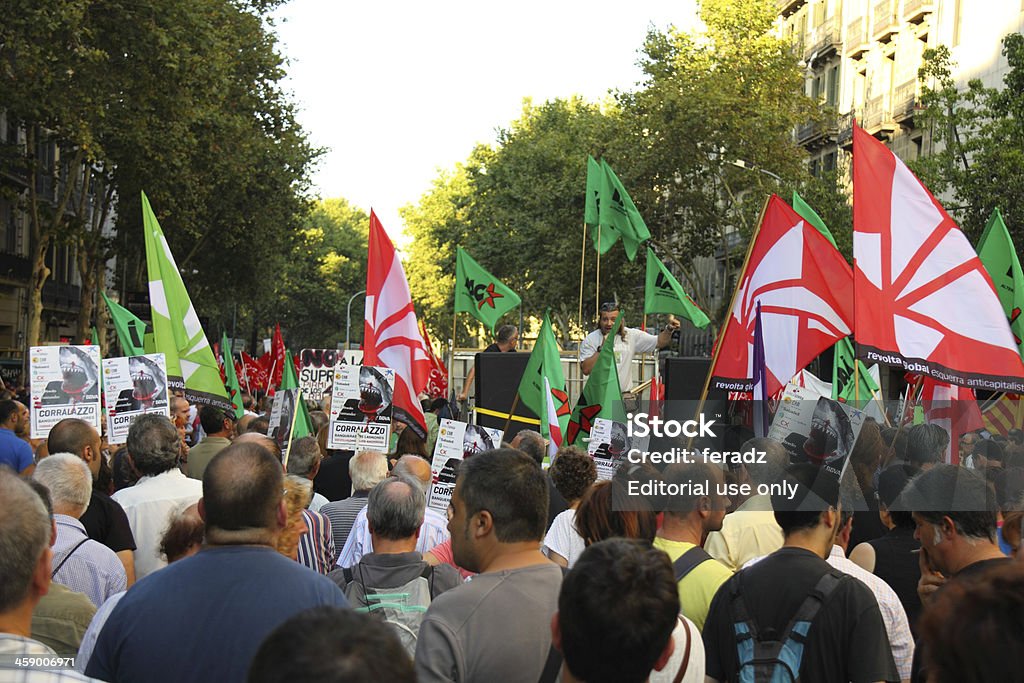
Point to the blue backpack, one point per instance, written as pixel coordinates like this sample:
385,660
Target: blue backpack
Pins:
764,658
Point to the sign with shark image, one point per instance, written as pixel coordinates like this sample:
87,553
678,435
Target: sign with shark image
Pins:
65,382
456,441
361,408
133,386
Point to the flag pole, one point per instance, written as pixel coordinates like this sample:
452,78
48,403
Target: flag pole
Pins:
508,420
856,382
643,356
291,430
732,304
583,260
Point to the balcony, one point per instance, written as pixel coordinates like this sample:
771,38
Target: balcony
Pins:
905,103
14,267
788,7
878,119
815,134
62,296
915,11
844,129
857,42
822,41
885,25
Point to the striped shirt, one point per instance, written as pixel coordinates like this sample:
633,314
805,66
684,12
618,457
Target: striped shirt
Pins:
434,531
342,514
91,568
12,647
316,546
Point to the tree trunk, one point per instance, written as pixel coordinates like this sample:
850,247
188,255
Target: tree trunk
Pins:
40,273
102,315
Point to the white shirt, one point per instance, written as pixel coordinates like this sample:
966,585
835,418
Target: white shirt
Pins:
563,538
696,665
433,531
149,506
636,341
319,500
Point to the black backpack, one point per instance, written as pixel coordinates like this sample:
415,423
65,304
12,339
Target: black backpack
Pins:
777,660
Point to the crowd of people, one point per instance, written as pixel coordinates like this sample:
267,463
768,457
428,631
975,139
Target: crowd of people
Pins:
195,552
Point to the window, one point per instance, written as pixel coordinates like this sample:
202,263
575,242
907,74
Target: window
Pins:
832,89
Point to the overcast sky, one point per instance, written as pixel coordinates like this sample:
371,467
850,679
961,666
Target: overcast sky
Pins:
397,90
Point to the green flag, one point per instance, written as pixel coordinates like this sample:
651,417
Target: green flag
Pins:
618,212
1000,258
664,294
845,386
545,361
805,211
479,293
302,424
177,332
94,339
601,396
131,330
591,214
230,379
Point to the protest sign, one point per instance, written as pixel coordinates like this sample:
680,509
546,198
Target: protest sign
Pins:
316,371
65,382
456,441
133,386
609,443
361,408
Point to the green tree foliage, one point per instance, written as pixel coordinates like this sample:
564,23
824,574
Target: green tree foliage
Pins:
977,135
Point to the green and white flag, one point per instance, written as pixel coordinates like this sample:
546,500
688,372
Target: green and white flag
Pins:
479,293
177,332
131,330
545,362
664,294
1000,259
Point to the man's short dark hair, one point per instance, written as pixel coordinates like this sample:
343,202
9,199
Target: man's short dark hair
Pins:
304,456
926,444
990,449
955,492
816,490
212,418
573,472
690,478
153,444
532,443
248,402
242,487
609,306
510,486
395,508
332,644
891,483
616,611
71,435
8,408
260,425
505,333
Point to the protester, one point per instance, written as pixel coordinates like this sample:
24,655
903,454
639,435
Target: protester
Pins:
104,519
532,443
304,461
433,531
80,563
572,473
893,557
410,443
219,426
296,498
926,446
15,452
222,602
152,447
628,343
845,639
331,645
750,530
506,340
688,519
184,535
497,626
25,535
332,481
366,469
619,640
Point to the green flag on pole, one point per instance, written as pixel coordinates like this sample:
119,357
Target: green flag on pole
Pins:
290,382
844,383
545,361
664,294
591,213
479,293
1000,258
601,396
805,211
94,338
230,378
177,332
131,330
618,212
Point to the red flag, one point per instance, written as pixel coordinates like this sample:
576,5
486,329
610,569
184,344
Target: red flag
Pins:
924,300
254,372
953,408
805,289
275,362
391,338
437,381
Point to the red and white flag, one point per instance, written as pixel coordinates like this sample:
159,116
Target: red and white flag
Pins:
437,380
391,338
805,289
274,362
924,301
953,408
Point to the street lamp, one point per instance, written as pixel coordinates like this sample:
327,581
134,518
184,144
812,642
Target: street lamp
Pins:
348,316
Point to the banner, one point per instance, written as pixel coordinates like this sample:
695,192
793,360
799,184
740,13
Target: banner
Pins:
609,443
316,371
65,382
361,408
133,386
456,441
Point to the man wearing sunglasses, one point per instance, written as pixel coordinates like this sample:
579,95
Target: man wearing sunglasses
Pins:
629,342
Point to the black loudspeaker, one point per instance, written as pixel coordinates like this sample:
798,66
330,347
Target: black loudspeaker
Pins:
497,381
685,377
